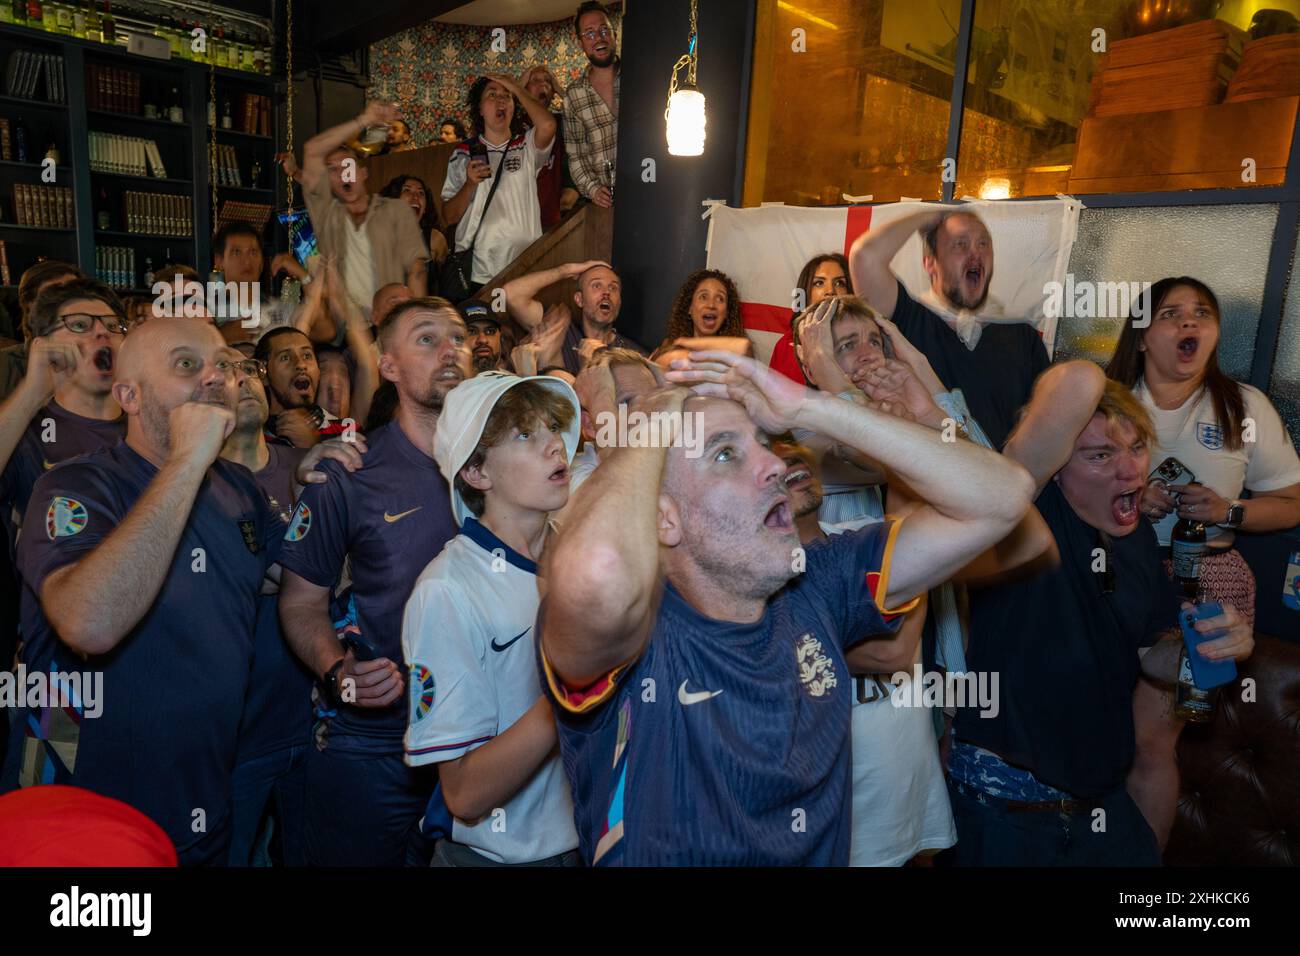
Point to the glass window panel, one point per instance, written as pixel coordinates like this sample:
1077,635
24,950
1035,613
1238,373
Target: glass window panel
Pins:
1146,244
1285,387
1179,104
863,108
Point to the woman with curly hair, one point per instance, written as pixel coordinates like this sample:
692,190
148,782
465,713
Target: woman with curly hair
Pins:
413,191
706,304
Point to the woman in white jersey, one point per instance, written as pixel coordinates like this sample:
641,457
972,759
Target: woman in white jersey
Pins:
1231,438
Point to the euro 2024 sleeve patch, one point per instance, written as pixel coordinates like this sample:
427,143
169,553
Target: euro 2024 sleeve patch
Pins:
422,685
64,518
300,525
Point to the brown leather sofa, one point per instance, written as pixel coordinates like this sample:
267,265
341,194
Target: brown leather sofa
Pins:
1240,795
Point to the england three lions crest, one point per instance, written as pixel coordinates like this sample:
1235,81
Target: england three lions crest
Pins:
816,671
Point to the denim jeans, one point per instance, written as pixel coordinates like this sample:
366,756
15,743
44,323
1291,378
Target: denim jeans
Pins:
275,778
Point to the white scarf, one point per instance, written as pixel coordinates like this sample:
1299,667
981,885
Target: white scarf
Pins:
968,325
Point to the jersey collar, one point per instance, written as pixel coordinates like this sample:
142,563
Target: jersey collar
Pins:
489,542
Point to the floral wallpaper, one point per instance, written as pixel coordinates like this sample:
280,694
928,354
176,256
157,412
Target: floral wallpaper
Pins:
429,68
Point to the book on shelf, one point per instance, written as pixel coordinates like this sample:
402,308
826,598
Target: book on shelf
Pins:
112,89
4,265
254,114
28,72
161,214
46,207
227,171
255,214
6,149
129,155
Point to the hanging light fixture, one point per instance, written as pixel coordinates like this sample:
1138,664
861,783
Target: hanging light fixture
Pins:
684,117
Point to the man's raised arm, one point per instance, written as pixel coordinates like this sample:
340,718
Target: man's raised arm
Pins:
601,593
522,293
326,141
873,251
96,602
1065,399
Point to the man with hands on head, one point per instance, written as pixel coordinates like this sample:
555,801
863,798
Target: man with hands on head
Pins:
599,298
993,363
385,522
744,634
146,569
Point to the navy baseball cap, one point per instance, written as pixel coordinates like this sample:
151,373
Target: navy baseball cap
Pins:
472,311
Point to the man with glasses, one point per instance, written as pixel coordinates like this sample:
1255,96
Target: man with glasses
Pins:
591,107
64,405
142,570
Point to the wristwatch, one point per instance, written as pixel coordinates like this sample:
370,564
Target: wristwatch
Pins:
1236,515
330,684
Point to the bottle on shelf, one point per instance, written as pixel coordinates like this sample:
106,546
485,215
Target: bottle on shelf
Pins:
226,119
247,57
220,55
259,59
52,152
175,112
18,11
94,31
79,20
49,17
108,25
63,19
35,16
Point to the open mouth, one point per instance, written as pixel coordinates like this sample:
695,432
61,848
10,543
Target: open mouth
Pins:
560,475
449,373
103,359
604,307
974,275
778,517
710,320
302,384
1124,508
1187,348
796,479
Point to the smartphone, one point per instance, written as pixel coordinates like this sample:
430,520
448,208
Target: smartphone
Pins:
1171,471
360,647
478,154
302,238
1205,673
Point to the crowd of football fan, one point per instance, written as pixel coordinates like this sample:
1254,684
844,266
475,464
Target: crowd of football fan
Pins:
372,580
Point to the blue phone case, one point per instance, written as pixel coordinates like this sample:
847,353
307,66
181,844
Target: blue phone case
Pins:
1205,673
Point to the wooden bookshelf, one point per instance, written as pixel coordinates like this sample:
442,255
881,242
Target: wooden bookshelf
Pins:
184,149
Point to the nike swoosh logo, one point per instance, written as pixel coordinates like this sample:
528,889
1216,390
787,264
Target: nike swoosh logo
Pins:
391,518
502,647
700,695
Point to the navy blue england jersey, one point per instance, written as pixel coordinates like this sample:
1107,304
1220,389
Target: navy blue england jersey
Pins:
53,436
387,520
162,734
277,712
728,744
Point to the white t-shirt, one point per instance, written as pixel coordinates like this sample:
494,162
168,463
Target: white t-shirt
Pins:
467,633
1191,433
515,219
900,800
358,270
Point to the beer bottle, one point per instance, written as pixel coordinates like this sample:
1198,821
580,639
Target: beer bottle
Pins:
1192,703
1187,547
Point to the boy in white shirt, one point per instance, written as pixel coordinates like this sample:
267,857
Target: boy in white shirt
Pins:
504,444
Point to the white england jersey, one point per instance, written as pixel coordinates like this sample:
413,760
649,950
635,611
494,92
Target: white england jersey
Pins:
467,633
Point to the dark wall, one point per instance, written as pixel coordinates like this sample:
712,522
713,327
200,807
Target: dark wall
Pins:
658,234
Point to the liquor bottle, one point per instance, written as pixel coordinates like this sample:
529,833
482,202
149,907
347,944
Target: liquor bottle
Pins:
79,20
259,59
52,152
35,18
103,218
108,25
226,119
19,8
7,13
247,57
219,49
176,112
63,19
94,30
49,17
1187,547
